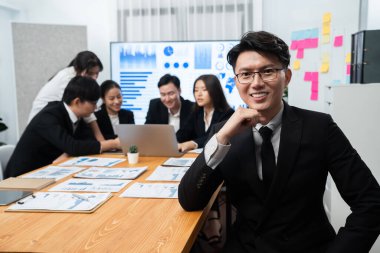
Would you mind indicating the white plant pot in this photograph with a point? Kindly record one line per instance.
(133, 158)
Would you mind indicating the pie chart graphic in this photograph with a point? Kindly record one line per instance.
(168, 51)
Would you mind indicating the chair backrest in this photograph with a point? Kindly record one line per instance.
(5, 153)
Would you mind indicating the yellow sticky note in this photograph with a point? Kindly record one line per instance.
(325, 58)
(324, 68)
(325, 39)
(296, 65)
(326, 29)
(348, 57)
(326, 17)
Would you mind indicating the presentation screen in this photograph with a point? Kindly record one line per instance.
(137, 67)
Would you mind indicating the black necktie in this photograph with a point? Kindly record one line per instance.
(267, 155)
(75, 126)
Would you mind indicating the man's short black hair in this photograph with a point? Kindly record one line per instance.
(84, 88)
(166, 79)
(261, 42)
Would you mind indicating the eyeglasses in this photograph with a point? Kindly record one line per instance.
(266, 75)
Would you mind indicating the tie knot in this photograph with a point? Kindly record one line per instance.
(266, 133)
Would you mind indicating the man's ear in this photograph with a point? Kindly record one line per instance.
(75, 102)
(288, 76)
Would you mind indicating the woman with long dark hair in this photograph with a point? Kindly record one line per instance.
(211, 107)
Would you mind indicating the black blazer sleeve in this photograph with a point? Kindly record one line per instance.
(194, 129)
(199, 182)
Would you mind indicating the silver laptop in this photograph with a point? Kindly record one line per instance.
(151, 140)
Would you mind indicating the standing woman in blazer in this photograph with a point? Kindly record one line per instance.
(211, 107)
(111, 113)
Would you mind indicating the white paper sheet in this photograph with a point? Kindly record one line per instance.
(91, 185)
(92, 161)
(162, 173)
(179, 162)
(55, 172)
(111, 173)
(60, 201)
(144, 190)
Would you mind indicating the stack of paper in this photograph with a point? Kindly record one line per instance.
(28, 184)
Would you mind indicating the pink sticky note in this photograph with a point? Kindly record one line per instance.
(294, 45)
(314, 77)
(348, 69)
(300, 53)
(309, 43)
(313, 43)
(307, 76)
(338, 41)
(301, 44)
(314, 86)
(314, 96)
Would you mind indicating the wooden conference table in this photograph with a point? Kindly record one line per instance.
(119, 225)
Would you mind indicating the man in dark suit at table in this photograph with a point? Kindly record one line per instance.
(277, 182)
(56, 131)
(170, 108)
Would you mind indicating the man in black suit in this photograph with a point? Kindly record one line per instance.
(56, 130)
(281, 210)
(170, 108)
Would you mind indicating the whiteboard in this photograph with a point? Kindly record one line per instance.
(283, 18)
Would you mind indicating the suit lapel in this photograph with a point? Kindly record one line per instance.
(290, 138)
(164, 114)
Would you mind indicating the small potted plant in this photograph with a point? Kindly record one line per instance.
(133, 154)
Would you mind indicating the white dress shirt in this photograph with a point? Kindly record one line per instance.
(74, 119)
(174, 119)
(53, 91)
(215, 152)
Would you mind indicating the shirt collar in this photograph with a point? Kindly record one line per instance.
(275, 122)
(177, 114)
(72, 115)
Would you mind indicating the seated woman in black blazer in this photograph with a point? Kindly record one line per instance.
(111, 113)
(211, 107)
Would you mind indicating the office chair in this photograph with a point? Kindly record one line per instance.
(5, 153)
